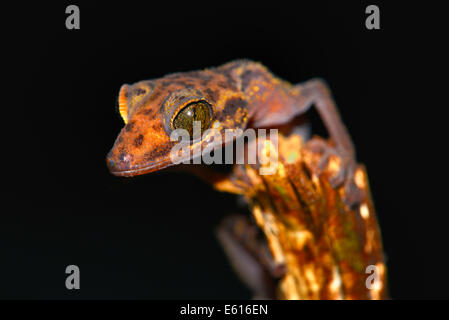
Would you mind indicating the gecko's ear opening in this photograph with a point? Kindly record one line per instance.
(123, 103)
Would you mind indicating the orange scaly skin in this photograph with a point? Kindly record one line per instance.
(243, 94)
(238, 93)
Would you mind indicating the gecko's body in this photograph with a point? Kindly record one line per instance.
(232, 96)
(237, 95)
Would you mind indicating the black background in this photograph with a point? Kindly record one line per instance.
(153, 236)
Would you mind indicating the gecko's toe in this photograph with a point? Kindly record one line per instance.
(338, 179)
(341, 168)
(353, 195)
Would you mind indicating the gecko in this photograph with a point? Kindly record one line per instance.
(236, 95)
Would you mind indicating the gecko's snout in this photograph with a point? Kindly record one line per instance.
(118, 165)
(124, 163)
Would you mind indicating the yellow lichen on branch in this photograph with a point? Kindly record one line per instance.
(329, 251)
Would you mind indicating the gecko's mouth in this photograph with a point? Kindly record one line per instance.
(122, 165)
(136, 171)
(121, 169)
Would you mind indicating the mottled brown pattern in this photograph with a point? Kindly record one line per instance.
(139, 91)
(213, 94)
(154, 96)
(138, 141)
(232, 104)
(153, 104)
(253, 74)
(324, 240)
(129, 126)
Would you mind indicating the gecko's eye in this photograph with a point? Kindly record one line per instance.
(197, 111)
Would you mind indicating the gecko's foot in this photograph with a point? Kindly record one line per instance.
(250, 255)
(353, 194)
(344, 171)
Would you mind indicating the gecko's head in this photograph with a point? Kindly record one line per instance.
(153, 109)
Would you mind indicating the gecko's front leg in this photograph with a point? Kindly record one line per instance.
(319, 94)
(232, 96)
(297, 100)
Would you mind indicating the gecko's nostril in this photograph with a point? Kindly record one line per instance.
(118, 163)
